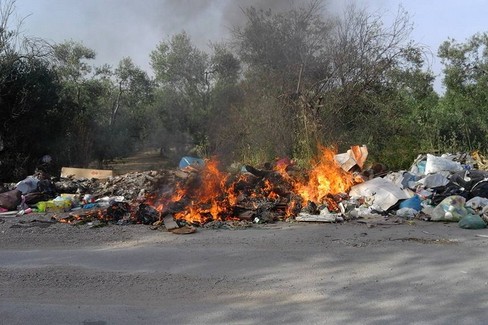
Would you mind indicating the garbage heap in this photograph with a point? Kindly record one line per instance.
(448, 188)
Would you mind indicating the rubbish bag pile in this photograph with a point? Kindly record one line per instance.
(448, 188)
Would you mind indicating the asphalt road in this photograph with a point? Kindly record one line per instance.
(284, 273)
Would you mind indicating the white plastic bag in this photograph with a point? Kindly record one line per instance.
(437, 164)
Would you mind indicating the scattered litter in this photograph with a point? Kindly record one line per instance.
(185, 230)
(407, 213)
(356, 156)
(170, 223)
(323, 217)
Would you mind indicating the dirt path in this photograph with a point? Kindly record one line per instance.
(426, 273)
(149, 159)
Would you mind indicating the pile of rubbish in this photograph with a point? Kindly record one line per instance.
(447, 188)
(72, 199)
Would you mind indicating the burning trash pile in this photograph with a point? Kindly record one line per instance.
(336, 188)
(275, 192)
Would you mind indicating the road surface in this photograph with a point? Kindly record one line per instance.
(424, 273)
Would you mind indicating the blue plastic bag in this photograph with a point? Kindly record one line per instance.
(412, 203)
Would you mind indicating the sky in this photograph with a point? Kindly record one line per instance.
(132, 28)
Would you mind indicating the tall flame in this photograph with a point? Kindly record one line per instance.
(326, 177)
(208, 199)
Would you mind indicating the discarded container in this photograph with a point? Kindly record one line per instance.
(24, 211)
(191, 161)
(472, 222)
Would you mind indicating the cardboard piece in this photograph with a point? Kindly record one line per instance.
(86, 173)
(357, 155)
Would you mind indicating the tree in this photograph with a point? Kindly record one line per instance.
(461, 114)
(315, 79)
(379, 86)
(285, 55)
(183, 75)
(28, 100)
(129, 92)
(134, 88)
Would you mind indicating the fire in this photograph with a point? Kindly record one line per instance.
(208, 197)
(214, 195)
(325, 178)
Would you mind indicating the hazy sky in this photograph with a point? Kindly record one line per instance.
(120, 28)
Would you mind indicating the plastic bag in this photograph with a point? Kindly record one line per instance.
(413, 203)
(407, 213)
(27, 185)
(436, 164)
(450, 209)
(477, 203)
(472, 222)
(10, 200)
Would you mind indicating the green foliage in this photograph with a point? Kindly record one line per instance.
(461, 120)
(183, 70)
(286, 82)
(31, 118)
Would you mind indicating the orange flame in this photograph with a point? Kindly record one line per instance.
(214, 195)
(326, 177)
(208, 197)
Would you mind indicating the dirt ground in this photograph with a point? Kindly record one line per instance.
(149, 159)
(294, 273)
